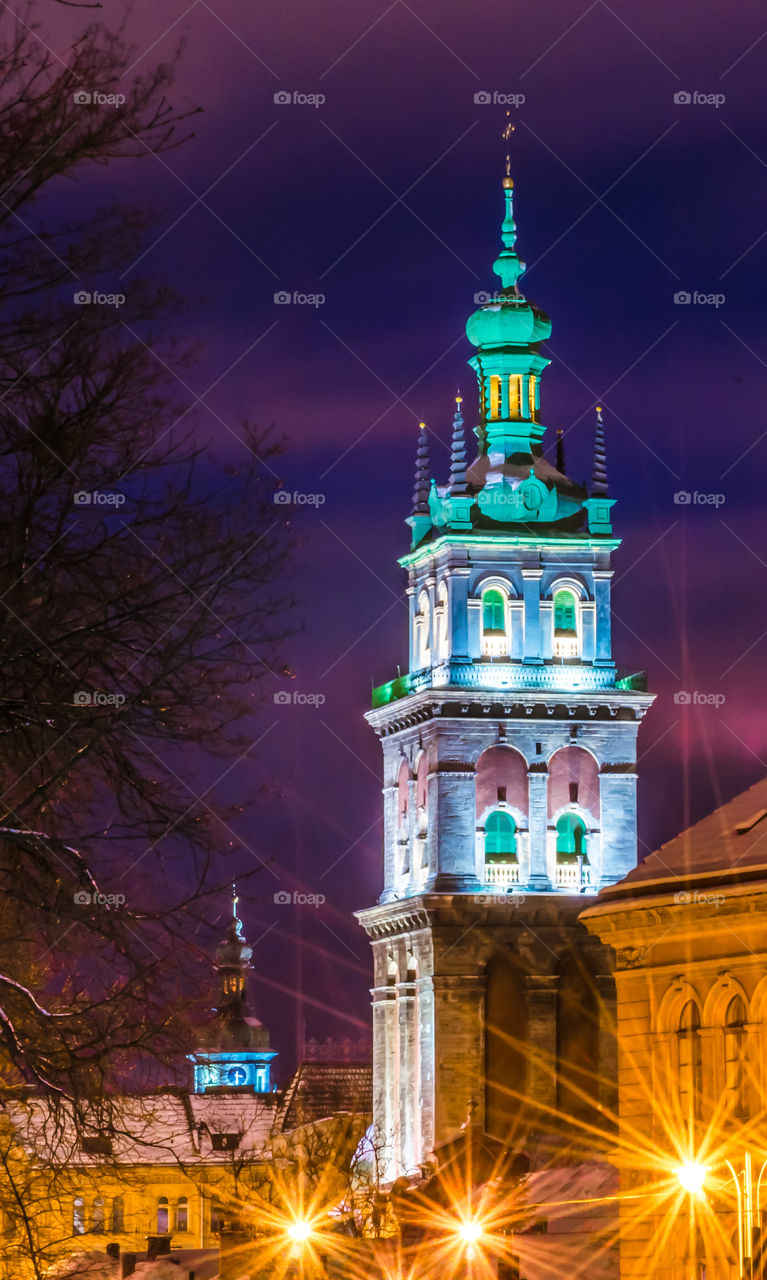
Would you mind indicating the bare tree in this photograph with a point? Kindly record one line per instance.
(141, 589)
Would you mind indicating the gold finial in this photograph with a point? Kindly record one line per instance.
(459, 399)
(421, 426)
(235, 900)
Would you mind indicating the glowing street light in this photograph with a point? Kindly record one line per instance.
(299, 1231)
(692, 1177)
(470, 1231)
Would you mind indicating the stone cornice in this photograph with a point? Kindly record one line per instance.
(548, 704)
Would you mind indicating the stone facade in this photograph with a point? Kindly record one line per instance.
(509, 774)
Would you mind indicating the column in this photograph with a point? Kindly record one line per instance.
(542, 1038)
(459, 1030)
(385, 1073)
(617, 797)
(607, 1092)
(603, 619)
(458, 598)
(390, 843)
(408, 1081)
(531, 580)
(538, 816)
(426, 1066)
(412, 605)
(452, 828)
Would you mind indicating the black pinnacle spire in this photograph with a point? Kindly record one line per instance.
(421, 490)
(599, 469)
(458, 486)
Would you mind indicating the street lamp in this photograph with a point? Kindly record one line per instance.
(692, 1177)
(299, 1231)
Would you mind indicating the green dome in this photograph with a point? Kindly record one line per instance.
(508, 322)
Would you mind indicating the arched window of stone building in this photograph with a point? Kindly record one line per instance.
(402, 798)
(500, 837)
(118, 1213)
(422, 792)
(440, 623)
(78, 1216)
(690, 1061)
(495, 641)
(735, 1056)
(99, 1222)
(566, 641)
(571, 838)
(422, 629)
(163, 1217)
(182, 1214)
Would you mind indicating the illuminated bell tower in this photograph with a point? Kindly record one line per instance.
(236, 1053)
(509, 749)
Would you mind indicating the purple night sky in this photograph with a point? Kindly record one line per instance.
(386, 199)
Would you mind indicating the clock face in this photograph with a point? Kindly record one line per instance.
(237, 1075)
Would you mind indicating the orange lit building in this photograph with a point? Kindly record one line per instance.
(688, 930)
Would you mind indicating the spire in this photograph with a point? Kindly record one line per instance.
(508, 264)
(559, 457)
(599, 470)
(458, 485)
(421, 490)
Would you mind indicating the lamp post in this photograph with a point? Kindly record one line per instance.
(692, 1177)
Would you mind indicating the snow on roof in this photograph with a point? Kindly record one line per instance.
(163, 1128)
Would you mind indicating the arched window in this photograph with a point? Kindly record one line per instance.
(495, 397)
(118, 1214)
(182, 1214)
(515, 396)
(99, 1222)
(422, 629)
(440, 624)
(571, 838)
(78, 1216)
(565, 624)
(494, 639)
(402, 798)
(690, 1061)
(734, 1056)
(217, 1216)
(500, 837)
(531, 388)
(163, 1217)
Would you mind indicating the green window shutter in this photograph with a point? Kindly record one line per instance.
(500, 837)
(564, 612)
(571, 836)
(493, 612)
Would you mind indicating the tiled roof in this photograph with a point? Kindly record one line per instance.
(163, 1128)
(322, 1089)
(730, 842)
